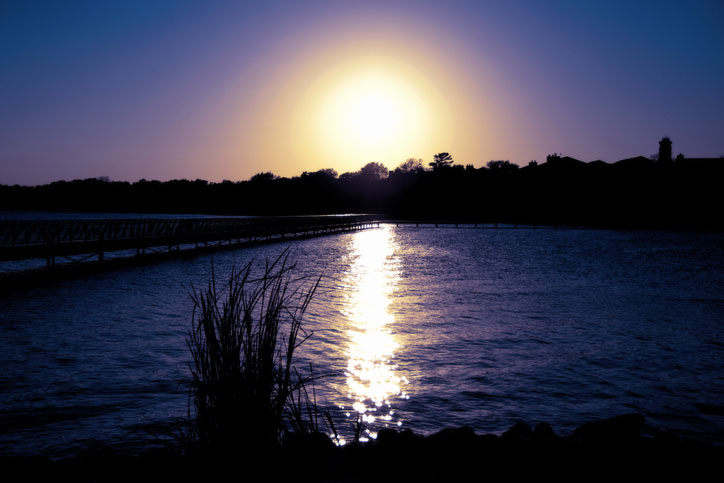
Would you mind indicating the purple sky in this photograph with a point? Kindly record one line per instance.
(223, 90)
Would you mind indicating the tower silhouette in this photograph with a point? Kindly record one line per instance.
(665, 150)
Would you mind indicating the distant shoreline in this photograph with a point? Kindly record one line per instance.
(635, 193)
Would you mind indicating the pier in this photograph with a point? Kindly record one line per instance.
(81, 240)
(457, 224)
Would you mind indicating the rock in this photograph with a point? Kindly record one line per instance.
(619, 429)
(454, 436)
(519, 432)
(388, 436)
(544, 432)
(660, 436)
(308, 442)
(392, 437)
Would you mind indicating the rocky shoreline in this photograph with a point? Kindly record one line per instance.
(623, 448)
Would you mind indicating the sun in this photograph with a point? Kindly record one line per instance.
(371, 113)
(368, 110)
(352, 110)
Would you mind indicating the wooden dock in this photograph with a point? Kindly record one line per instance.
(80, 240)
(455, 224)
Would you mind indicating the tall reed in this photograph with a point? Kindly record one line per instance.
(242, 342)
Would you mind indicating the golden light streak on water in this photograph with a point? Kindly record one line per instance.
(372, 381)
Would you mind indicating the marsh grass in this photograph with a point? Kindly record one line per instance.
(245, 392)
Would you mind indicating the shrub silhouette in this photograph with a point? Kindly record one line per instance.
(242, 342)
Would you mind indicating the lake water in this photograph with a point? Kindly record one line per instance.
(420, 328)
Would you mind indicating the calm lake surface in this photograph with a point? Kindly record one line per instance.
(420, 328)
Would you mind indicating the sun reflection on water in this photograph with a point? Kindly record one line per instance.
(372, 382)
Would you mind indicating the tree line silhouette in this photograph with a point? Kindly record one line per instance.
(635, 193)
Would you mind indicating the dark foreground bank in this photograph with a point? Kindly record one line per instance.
(623, 448)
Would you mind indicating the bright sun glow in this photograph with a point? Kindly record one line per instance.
(372, 109)
(343, 105)
(370, 112)
(366, 109)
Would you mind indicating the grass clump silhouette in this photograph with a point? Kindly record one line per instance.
(245, 391)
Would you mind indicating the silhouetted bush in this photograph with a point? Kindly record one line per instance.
(245, 391)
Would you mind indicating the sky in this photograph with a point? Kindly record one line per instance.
(224, 90)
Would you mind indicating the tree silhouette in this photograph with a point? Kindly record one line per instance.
(374, 171)
(441, 160)
(411, 165)
(559, 191)
(501, 166)
(266, 176)
(327, 173)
